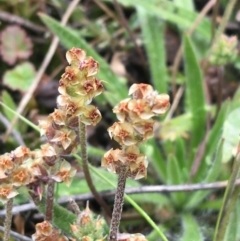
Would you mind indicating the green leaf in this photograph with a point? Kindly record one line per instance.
(211, 175)
(231, 131)
(116, 89)
(232, 228)
(153, 38)
(181, 152)
(187, 4)
(174, 177)
(177, 127)
(169, 11)
(191, 229)
(7, 99)
(214, 138)
(20, 78)
(195, 93)
(153, 153)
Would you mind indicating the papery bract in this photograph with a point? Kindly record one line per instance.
(139, 110)
(123, 133)
(89, 65)
(110, 159)
(140, 91)
(122, 110)
(90, 115)
(20, 176)
(161, 104)
(65, 137)
(7, 191)
(6, 164)
(21, 154)
(65, 173)
(75, 56)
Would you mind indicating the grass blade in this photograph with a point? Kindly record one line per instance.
(171, 12)
(174, 176)
(153, 38)
(197, 197)
(191, 229)
(195, 93)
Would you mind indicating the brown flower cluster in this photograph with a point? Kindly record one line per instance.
(135, 126)
(46, 232)
(14, 172)
(87, 227)
(77, 87)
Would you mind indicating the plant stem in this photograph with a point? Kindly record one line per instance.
(8, 220)
(129, 199)
(50, 200)
(227, 197)
(225, 220)
(118, 204)
(84, 155)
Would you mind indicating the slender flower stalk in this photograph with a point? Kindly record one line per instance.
(50, 200)
(84, 155)
(118, 204)
(8, 220)
(134, 127)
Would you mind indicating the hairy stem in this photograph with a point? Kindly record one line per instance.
(50, 200)
(83, 143)
(118, 204)
(8, 220)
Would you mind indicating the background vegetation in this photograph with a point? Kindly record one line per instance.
(177, 46)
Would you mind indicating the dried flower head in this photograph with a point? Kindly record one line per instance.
(123, 133)
(91, 115)
(46, 232)
(65, 137)
(75, 56)
(110, 160)
(140, 91)
(7, 191)
(21, 154)
(6, 165)
(48, 154)
(122, 110)
(65, 173)
(20, 176)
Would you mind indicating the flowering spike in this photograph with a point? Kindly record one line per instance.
(135, 126)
